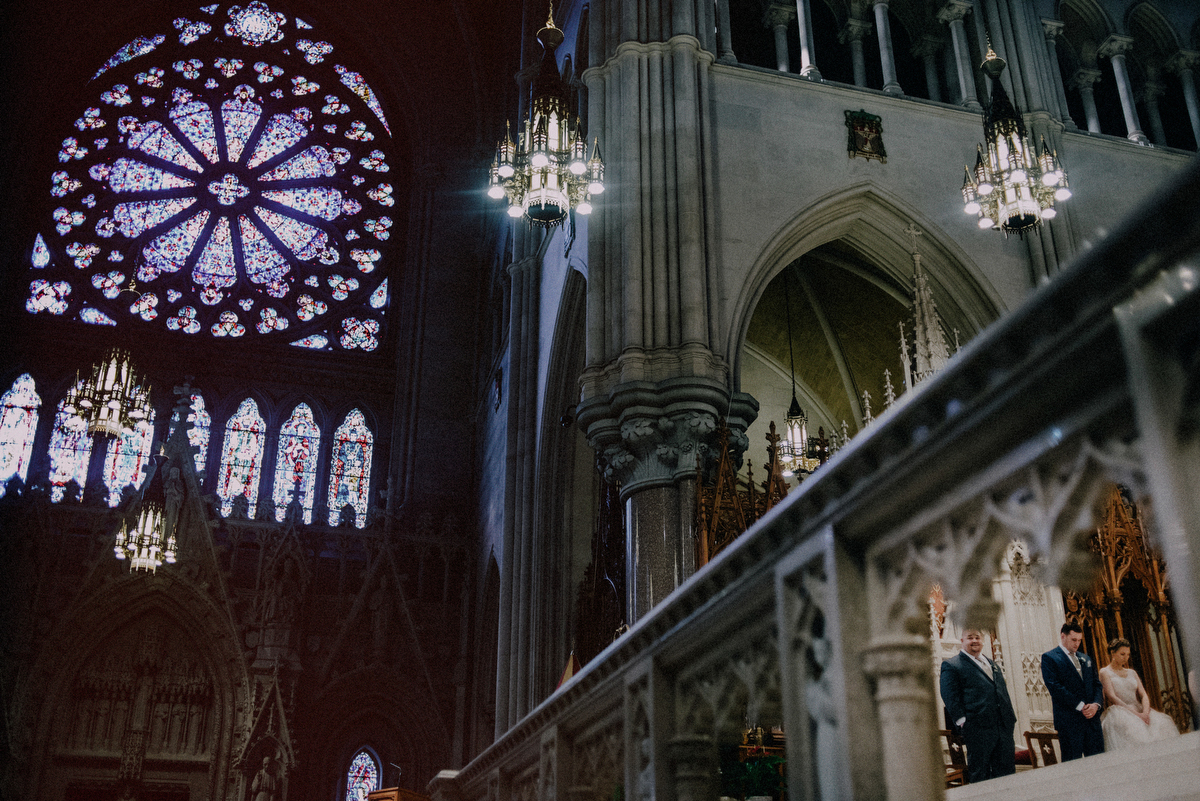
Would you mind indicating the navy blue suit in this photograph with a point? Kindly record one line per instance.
(987, 733)
(1077, 736)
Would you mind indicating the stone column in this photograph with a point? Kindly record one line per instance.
(1184, 63)
(724, 34)
(695, 767)
(1151, 92)
(927, 50)
(852, 33)
(1084, 80)
(912, 761)
(1115, 47)
(883, 30)
(1053, 29)
(808, 53)
(649, 439)
(778, 17)
(952, 14)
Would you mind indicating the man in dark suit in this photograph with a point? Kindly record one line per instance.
(1074, 687)
(977, 703)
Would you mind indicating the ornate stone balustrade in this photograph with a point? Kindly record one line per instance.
(816, 620)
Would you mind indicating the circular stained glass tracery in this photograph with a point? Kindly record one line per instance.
(234, 195)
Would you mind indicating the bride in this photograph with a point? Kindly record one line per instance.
(1128, 719)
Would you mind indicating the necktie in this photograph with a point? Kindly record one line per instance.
(1078, 667)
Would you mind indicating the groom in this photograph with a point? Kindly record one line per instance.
(1074, 687)
(977, 701)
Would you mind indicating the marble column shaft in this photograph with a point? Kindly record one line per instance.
(1151, 92)
(1184, 63)
(883, 31)
(927, 51)
(952, 15)
(1085, 80)
(1115, 47)
(778, 18)
(1053, 28)
(852, 33)
(808, 56)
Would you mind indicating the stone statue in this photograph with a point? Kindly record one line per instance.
(263, 786)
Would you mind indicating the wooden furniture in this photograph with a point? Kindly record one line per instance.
(395, 794)
(956, 758)
(1042, 754)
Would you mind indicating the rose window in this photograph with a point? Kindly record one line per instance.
(236, 187)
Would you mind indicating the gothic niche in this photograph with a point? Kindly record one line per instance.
(140, 718)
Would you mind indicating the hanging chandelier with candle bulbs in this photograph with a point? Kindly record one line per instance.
(146, 542)
(114, 400)
(1013, 187)
(794, 449)
(547, 171)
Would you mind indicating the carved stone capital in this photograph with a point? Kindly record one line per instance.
(1115, 45)
(878, 3)
(854, 30)
(1183, 60)
(653, 434)
(776, 15)
(1151, 91)
(953, 11)
(1053, 28)
(899, 664)
(1085, 78)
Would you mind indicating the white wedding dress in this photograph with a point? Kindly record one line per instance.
(1124, 729)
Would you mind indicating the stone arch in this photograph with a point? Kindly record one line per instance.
(872, 221)
(1152, 33)
(103, 615)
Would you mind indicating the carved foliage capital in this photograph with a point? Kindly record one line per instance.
(953, 11)
(1115, 45)
(776, 15)
(1052, 28)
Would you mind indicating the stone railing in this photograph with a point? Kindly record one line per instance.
(815, 621)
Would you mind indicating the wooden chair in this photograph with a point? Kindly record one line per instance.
(956, 754)
(1044, 749)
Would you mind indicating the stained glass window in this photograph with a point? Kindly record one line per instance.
(18, 425)
(127, 457)
(296, 462)
(70, 451)
(199, 430)
(363, 776)
(228, 158)
(241, 457)
(350, 468)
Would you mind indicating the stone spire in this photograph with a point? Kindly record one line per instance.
(930, 353)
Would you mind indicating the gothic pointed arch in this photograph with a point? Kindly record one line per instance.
(872, 223)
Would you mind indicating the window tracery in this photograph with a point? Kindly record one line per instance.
(241, 458)
(350, 468)
(363, 776)
(18, 425)
(70, 451)
(220, 170)
(127, 458)
(296, 462)
(199, 430)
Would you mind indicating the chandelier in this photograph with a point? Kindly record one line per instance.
(793, 451)
(547, 171)
(1013, 187)
(114, 400)
(143, 543)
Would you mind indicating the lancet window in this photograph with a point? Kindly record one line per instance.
(126, 460)
(363, 776)
(70, 451)
(18, 425)
(296, 462)
(241, 458)
(350, 470)
(199, 430)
